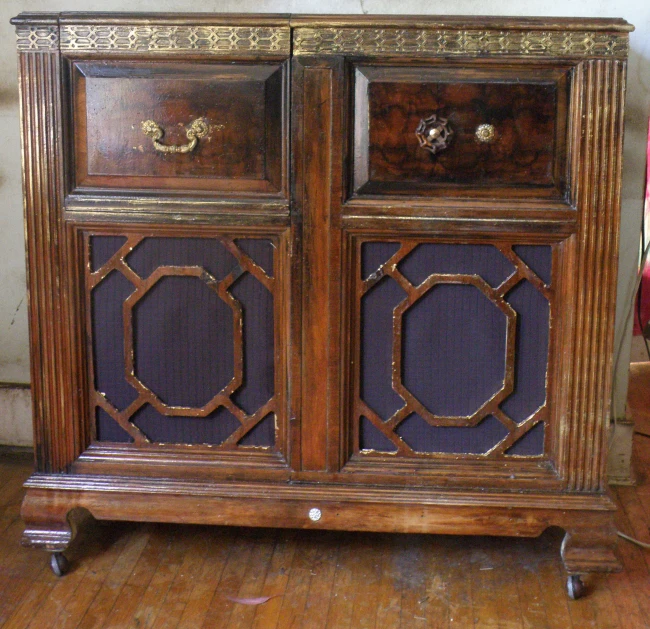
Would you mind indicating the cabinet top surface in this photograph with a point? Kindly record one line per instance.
(362, 21)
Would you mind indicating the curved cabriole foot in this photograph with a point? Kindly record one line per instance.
(52, 521)
(59, 564)
(46, 524)
(575, 587)
(590, 548)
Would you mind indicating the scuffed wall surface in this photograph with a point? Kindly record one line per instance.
(15, 416)
(14, 359)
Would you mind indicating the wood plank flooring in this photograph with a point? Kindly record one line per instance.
(183, 577)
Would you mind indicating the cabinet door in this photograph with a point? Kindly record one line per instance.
(452, 345)
(438, 342)
(185, 237)
(186, 344)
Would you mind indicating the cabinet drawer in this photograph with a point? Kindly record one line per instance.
(460, 131)
(135, 126)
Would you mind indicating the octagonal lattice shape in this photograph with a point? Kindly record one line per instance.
(455, 319)
(214, 325)
(219, 264)
(436, 265)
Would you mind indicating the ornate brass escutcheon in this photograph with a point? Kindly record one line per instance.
(434, 134)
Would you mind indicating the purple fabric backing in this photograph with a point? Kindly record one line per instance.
(475, 440)
(183, 340)
(102, 249)
(429, 258)
(108, 344)
(453, 347)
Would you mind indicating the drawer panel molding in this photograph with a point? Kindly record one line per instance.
(526, 105)
(119, 107)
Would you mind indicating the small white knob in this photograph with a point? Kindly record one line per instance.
(315, 514)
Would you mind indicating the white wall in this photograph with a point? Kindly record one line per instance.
(14, 359)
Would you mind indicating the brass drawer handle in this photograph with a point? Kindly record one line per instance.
(198, 129)
(434, 134)
(485, 133)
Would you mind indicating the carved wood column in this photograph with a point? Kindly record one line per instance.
(53, 282)
(597, 134)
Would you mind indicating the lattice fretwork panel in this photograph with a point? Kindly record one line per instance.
(183, 339)
(453, 348)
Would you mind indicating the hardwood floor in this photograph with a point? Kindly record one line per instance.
(167, 576)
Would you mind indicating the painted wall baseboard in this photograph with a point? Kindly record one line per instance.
(16, 415)
(619, 461)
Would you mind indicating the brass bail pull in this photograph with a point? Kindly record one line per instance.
(198, 129)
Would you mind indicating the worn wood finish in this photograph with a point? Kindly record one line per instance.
(126, 574)
(244, 151)
(53, 282)
(526, 106)
(596, 191)
(318, 154)
(318, 94)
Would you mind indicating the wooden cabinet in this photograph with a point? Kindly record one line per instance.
(323, 272)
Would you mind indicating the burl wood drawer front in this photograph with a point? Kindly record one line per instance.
(460, 131)
(206, 127)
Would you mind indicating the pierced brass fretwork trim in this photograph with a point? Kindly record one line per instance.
(170, 39)
(445, 42)
(37, 38)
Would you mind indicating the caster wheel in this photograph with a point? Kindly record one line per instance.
(59, 564)
(575, 587)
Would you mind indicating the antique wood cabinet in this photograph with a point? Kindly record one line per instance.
(323, 272)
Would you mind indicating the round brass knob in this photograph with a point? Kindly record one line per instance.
(434, 134)
(485, 133)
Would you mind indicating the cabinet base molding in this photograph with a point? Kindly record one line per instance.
(587, 519)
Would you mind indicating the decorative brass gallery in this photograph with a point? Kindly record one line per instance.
(174, 39)
(450, 42)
